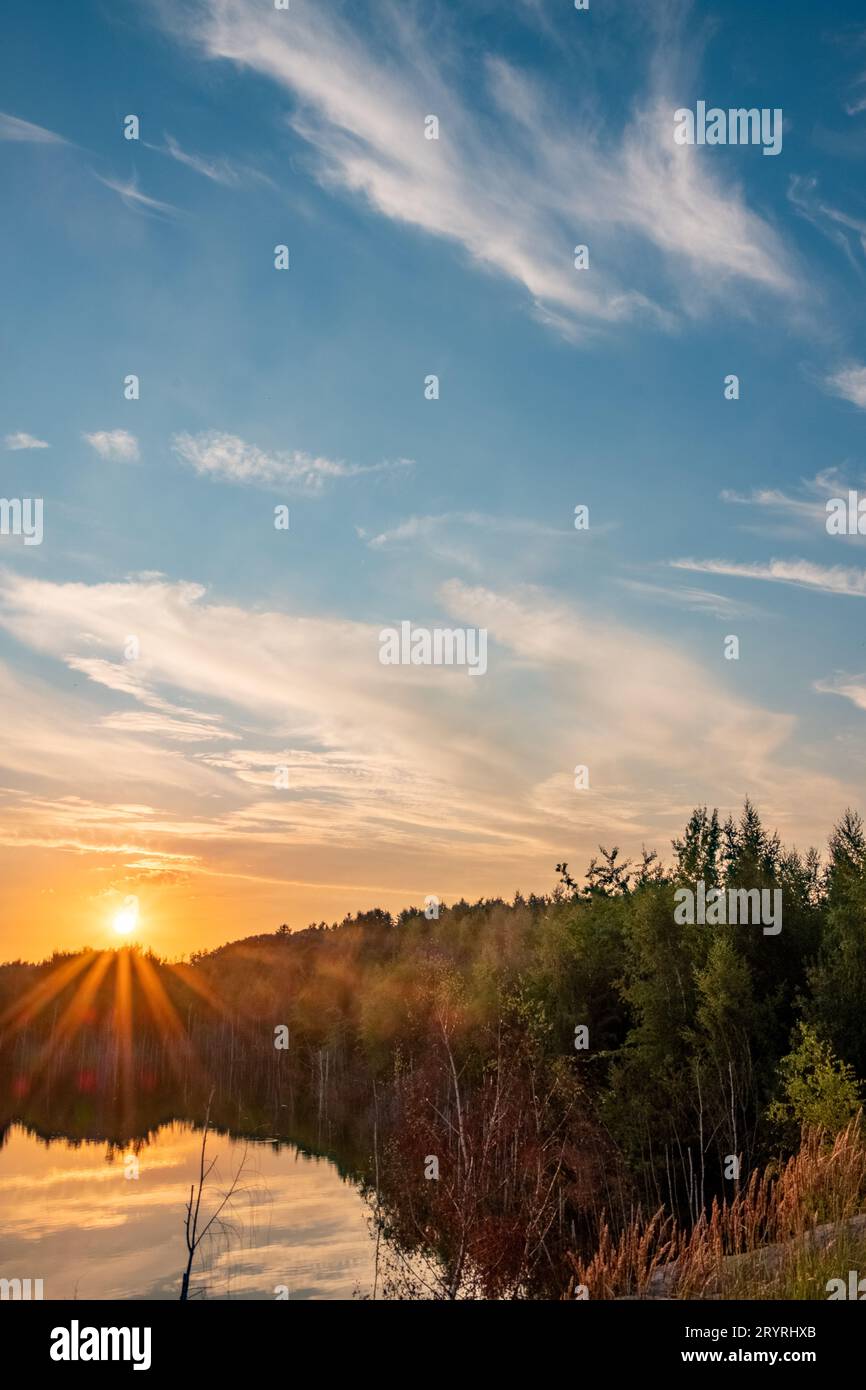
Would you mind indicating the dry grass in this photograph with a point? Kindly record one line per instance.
(771, 1239)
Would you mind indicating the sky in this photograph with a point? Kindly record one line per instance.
(167, 649)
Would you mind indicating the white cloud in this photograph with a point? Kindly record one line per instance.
(24, 441)
(515, 184)
(134, 678)
(416, 528)
(697, 600)
(123, 676)
(228, 458)
(808, 511)
(177, 730)
(469, 772)
(133, 198)
(114, 444)
(830, 579)
(636, 709)
(221, 171)
(773, 499)
(12, 128)
(217, 170)
(51, 737)
(847, 233)
(852, 688)
(849, 383)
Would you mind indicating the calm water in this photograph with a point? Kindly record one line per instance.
(71, 1216)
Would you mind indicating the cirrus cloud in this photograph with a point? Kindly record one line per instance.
(227, 458)
(829, 579)
(510, 178)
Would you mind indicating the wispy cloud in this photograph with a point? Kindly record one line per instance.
(133, 198)
(217, 170)
(830, 579)
(134, 678)
(849, 382)
(160, 716)
(500, 785)
(857, 102)
(808, 510)
(114, 444)
(416, 528)
(164, 726)
(227, 458)
(846, 232)
(122, 676)
(24, 441)
(14, 129)
(508, 180)
(852, 688)
(221, 170)
(685, 596)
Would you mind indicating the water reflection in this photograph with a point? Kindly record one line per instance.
(75, 1216)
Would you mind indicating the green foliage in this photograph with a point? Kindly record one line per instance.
(818, 1090)
(838, 980)
(697, 853)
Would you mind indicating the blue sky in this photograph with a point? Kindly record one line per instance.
(306, 387)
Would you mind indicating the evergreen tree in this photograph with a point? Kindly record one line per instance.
(839, 978)
(608, 877)
(697, 853)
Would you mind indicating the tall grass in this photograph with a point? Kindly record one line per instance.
(790, 1224)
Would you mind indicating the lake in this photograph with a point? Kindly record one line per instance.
(76, 1216)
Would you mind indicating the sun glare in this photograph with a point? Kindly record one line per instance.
(126, 920)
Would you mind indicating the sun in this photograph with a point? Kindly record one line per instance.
(126, 920)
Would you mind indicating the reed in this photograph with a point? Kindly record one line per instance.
(788, 1224)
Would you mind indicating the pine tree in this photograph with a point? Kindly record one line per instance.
(839, 977)
(698, 851)
(609, 877)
